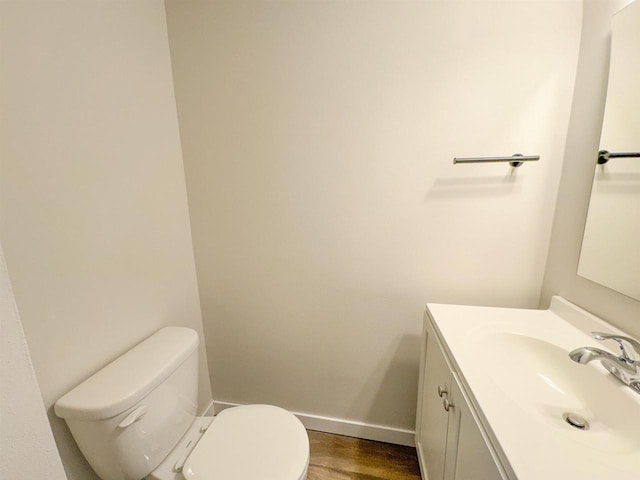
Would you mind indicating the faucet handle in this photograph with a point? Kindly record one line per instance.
(627, 345)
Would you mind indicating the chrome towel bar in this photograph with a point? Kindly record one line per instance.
(604, 156)
(515, 160)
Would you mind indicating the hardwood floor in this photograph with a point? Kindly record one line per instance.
(335, 457)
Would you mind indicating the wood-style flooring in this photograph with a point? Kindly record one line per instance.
(335, 457)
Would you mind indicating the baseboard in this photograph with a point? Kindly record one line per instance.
(341, 426)
(209, 411)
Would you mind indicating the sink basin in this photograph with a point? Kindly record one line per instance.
(545, 383)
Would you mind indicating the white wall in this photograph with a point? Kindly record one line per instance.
(94, 219)
(27, 449)
(583, 139)
(318, 140)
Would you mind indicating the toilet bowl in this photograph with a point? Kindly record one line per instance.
(246, 442)
(136, 418)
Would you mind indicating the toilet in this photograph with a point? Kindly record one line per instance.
(136, 419)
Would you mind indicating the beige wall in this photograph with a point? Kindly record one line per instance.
(27, 449)
(583, 139)
(318, 140)
(94, 219)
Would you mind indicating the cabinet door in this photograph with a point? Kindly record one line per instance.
(432, 438)
(468, 456)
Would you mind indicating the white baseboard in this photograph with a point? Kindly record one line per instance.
(340, 426)
(209, 411)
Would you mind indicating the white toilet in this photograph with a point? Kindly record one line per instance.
(136, 418)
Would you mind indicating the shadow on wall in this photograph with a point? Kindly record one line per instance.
(391, 398)
(476, 187)
(75, 465)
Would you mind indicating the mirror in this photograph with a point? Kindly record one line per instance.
(610, 252)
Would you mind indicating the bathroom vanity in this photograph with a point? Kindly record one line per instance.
(500, 399)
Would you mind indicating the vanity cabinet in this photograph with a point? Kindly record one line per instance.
(449, 439)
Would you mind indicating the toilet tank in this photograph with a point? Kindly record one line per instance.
(127, 417)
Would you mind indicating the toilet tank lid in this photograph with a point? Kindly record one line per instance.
(130, 377)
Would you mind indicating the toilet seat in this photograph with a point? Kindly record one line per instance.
(251, 442)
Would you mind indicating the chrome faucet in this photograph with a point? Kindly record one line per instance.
(624, 368)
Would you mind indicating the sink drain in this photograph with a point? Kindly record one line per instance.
(576, 421)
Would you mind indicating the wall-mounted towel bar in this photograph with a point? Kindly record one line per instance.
(604, 156)
(515, 160)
